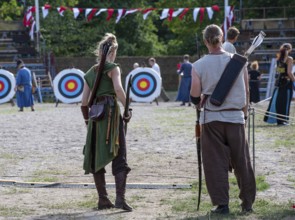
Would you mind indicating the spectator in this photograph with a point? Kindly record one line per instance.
(156, 67)
(135, 65)
(23, 88)
(279, 105)
(185, 82)
(254, 82)
(232, 36)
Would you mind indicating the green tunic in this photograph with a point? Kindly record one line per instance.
(105, 151)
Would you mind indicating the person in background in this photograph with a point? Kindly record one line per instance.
(135, 65)
(223, 137)
(254, 82)
(185, 82)
(23, 88)
(232, 36)
(279, 106)
(156, 67)
(143, 64)
(105, 141)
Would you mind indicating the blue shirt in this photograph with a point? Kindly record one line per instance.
(186, 69)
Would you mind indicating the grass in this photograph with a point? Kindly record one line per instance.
(89, 203)
(8, 156)
(48, 175)
(285, 142)
(15, 190)
(264, 209)
(14, 211)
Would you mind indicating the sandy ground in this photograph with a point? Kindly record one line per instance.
(46, 146)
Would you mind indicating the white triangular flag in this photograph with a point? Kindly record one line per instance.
(76, 12)
(164, 13)
(100, 11)
(146, 12)
(120, 14)
(87, 11)
(130, 11)
(195, 13)
(210, 12)
(176, 13)
(44, 11)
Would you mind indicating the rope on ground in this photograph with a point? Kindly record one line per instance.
(274, 115)
(271, 114)
(92, 186)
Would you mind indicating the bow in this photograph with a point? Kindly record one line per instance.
(126, 110)
(198, 142)
(105, 50)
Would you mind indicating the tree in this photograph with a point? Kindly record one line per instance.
(185, 36)
(66, 36)
(10, 10)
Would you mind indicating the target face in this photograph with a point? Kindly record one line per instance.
(7, 84)
(68, 85)
(146, 84)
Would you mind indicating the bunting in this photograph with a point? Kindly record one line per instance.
(167, 13)
(45, 10)
(76, 12)
(121, 12)
(229, 18)
(90, 13)
(146, 12)
(28, 17)
(61, 10)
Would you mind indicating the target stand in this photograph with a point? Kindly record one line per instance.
(7, 85)
(146, 84)
(68, 86)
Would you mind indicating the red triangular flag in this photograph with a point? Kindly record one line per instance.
(183, 13)
(110, 13)
(202, 11)
(91, 14)
(170, 14)
(215, 8)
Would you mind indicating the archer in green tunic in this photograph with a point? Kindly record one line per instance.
(105, 141)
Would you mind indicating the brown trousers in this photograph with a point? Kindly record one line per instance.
(223, 144)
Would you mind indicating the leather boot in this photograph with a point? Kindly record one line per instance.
(121, 203)
(103, 200)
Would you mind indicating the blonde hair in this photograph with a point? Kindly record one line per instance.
(213, 34)
(108, 38)
(254, 65)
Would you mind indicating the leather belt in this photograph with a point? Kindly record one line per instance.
(227, 109)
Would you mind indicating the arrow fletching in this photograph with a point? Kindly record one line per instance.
(256, 42)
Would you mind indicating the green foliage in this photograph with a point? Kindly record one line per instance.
(67, 36)
(10, 10)
(185, 36)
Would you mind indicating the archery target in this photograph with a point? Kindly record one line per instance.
(293, 71)
(7, 85)
(146, 84)
(68, 85)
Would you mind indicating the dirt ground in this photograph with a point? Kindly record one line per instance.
(46, 146)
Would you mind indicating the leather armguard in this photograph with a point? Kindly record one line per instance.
(195, 100)
(85, 113)
(127, 119)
